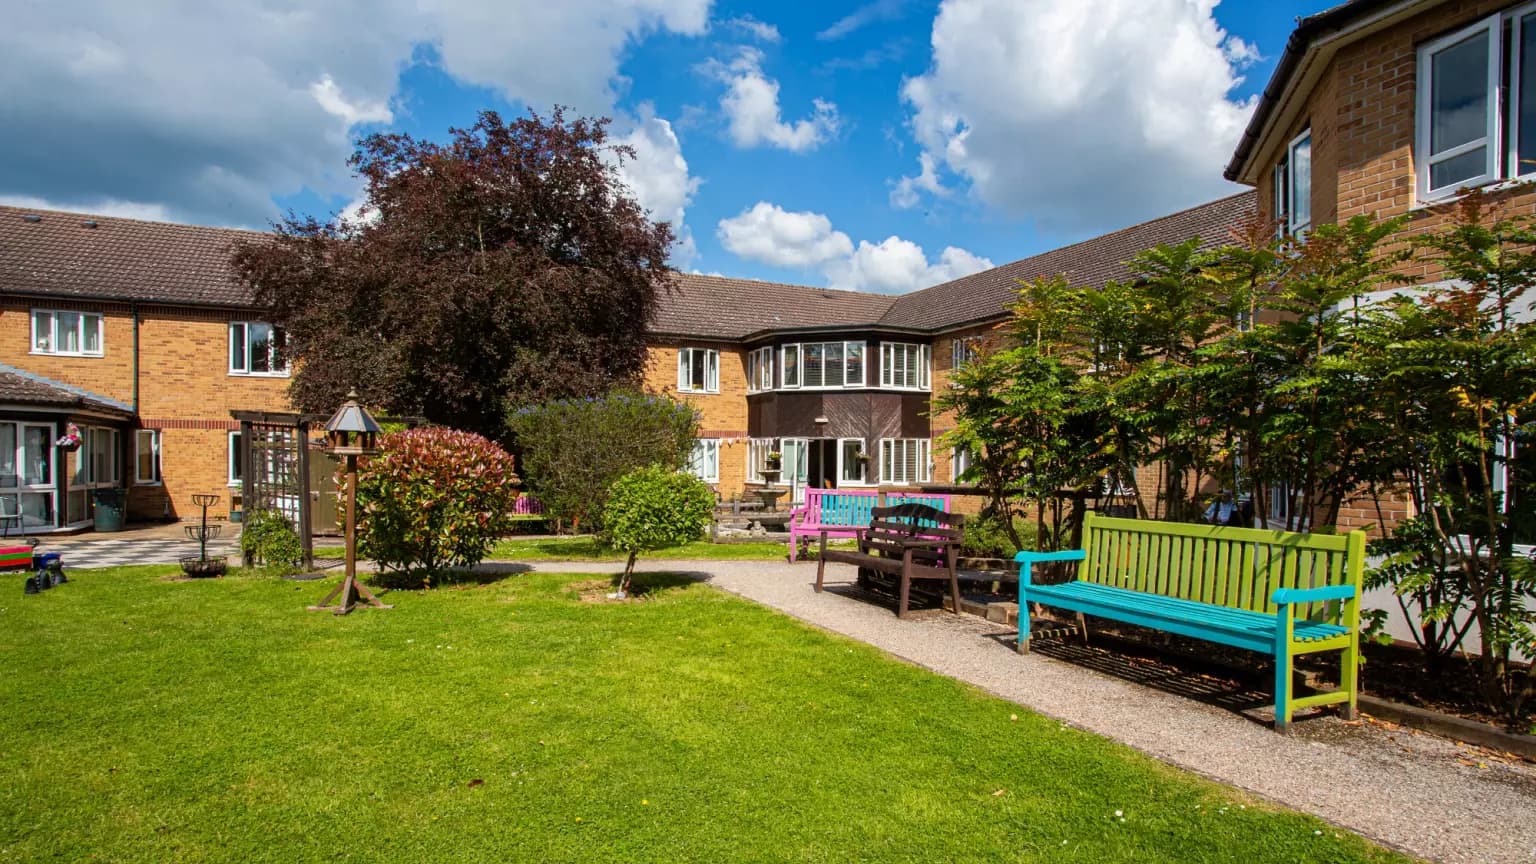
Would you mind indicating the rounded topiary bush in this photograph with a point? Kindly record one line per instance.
(433, 499)
(654, 508)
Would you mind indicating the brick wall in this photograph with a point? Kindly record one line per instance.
(185, 390)
(722, 415)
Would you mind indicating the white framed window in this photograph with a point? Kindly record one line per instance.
(96, 460)
(960, 460)
(963, 350)
(235, 476)
(146, 457)
(905, 366)
(704, 463)
(757, 457)
(69, 334)
(904, 461)
(823, 365)
(27, 472)
(256, 348)
(759, 370)
(1293, 188)
(1460, 113)
(698, 370)
(852, 462)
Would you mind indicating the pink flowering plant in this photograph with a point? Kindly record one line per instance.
(433, 500)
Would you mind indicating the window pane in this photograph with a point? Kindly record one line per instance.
(259, 350)
(67, 330)
(37, 455)
(42, 332)
(234, 457)
(814, 366)
(834, 364)
(712, 371)
(92, 327)
(792, 366)
(855, 364)
(1525, 122)
(148, 468)
(1458, 99)
(237, 348)
(1458, 169)
(101, 456)
(8, 454)
(853, 466)
(1301, 182)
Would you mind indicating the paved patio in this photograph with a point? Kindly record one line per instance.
(1419, 793)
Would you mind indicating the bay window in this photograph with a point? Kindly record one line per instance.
(904, 366)
(1467, 133)
(70, 334)
(256, 348)
(904, 461)
(824, 365)
(698, 370)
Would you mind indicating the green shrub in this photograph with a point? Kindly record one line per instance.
(574, 449)
(654, 508)
(433, 499)
(986, 537)
(269, 539)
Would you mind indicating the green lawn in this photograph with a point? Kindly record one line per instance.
(150, 720)
(585, 548)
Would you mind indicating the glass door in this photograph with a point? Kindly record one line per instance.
(795, 451)
(26, 472)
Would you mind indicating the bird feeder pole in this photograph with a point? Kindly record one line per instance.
(350, 433)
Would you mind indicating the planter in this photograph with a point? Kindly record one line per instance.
(202, 568)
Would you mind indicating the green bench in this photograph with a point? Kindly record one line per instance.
(1275, 592)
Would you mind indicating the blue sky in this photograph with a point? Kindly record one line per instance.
(882, 146)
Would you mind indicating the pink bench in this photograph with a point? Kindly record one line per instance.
(844, 512)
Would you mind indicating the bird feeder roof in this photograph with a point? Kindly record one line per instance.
(352, 417)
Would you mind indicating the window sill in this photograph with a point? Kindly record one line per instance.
(1420, 205)
(234, 374)
(79, 355)
(699, 392)
(155, 483)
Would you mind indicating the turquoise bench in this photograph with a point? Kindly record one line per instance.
(844, 512)
(1274, 592)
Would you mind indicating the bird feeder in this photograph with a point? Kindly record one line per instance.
(351, 432)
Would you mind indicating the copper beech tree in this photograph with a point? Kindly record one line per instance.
(507, 266)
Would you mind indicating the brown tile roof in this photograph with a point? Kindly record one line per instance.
(59, 255)
(19, 387)
(720, 307)
(1088, 264)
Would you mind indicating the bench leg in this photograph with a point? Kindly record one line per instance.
(954, 580)
(794, 543)
(1082, 627)
(1349, 675)
(1282, 690)
(821, 563)
(906, 584)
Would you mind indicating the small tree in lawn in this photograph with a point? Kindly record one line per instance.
(574, 449)
(433, 499)
(654, 508)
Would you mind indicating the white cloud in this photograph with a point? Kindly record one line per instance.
(804, 240)
(879, 10)
(95, 206)
(905, 192)
(762, 31)
(772, 235)
(209, 110)
(659, 178)
(328, 93)
(751, 105)
(1081, 114)
(896, 266)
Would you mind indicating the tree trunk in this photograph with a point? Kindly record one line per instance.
(629, 572)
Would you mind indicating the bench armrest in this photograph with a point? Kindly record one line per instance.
(1293, 596)
(1041, 557)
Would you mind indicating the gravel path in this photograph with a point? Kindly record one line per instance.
(1416, 792)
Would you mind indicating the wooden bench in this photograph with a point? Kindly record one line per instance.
(843, 512)
(907, 541)
(1274, 592)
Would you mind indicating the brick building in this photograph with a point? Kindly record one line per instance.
(137, 335)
